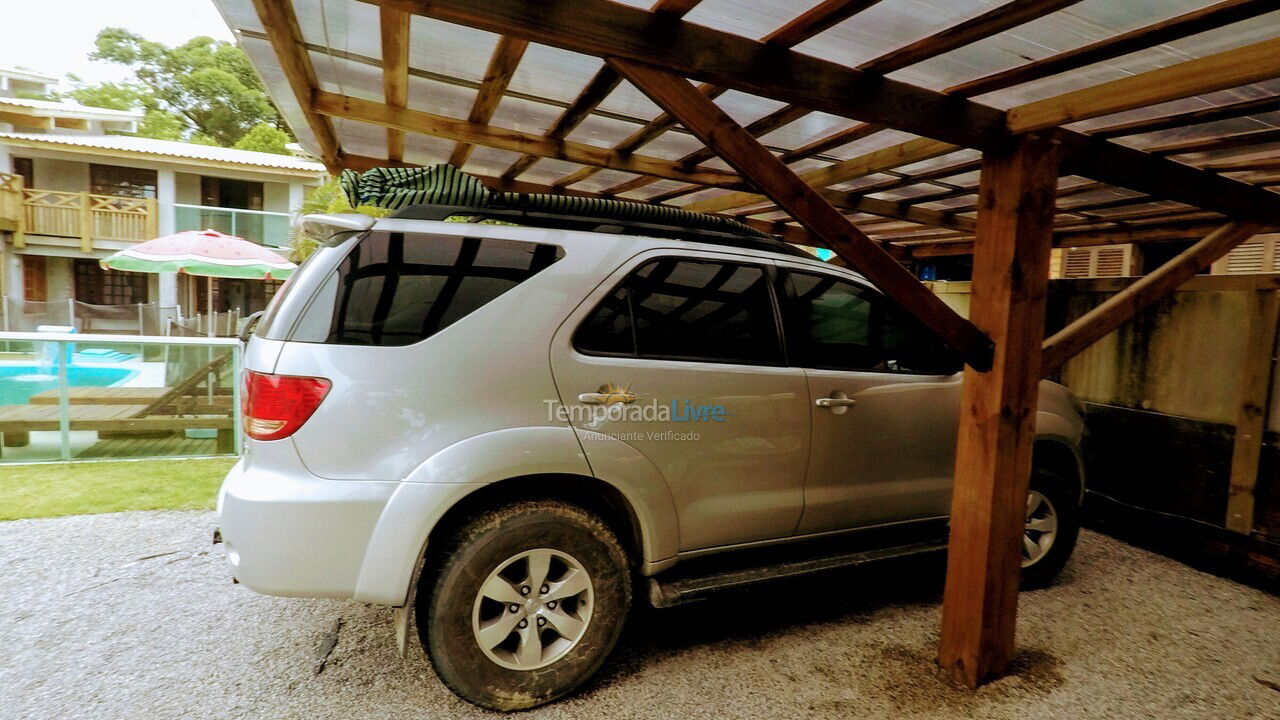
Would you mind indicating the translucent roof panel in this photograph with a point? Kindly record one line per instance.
(448, 65)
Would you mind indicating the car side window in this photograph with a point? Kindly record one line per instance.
(678, 309)
(833, 324)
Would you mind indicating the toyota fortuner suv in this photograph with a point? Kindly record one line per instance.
(512, 432)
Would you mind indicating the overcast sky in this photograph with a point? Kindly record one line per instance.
(56, 36)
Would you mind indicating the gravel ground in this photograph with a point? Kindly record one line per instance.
(132, 615)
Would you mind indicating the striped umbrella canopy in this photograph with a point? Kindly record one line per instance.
(202, 252)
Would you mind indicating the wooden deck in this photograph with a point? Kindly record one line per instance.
(134, 447)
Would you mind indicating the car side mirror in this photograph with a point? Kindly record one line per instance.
(250, 323)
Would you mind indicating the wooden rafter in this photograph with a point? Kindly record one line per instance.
(606, 29)
(502, 65)
(1190, 23)
(1221, 71)
(909, 152)
(394, 26)
(286, 40)
(743, 152)
(604, 82)
(995, 20)
(801, 28)
(334, 105)
(826, 14)
(1194, 117)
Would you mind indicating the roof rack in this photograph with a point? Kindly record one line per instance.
(597, 223)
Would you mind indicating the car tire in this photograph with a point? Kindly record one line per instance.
(1062, 497)
(465, 595)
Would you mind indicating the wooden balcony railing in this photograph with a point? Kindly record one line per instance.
(11, 212)
(87, 216)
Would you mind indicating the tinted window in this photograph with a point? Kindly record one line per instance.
(687, 310)
(399, 288)
(838, 325)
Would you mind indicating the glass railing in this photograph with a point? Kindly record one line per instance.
(259, 226)
(79, 396)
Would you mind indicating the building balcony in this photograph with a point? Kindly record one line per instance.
(259, 226)
(92, 222)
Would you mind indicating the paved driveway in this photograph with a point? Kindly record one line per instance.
(132, 615)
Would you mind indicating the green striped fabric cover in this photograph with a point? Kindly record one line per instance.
(397, 188)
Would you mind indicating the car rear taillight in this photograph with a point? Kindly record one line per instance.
(275, 406)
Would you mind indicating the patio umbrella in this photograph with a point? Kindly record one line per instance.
(202, 252)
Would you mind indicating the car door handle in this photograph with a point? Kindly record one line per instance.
(835, 402)
(594, 398)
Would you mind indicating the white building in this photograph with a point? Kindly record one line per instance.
(73, 190)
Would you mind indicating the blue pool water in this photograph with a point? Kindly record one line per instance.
(20, 382)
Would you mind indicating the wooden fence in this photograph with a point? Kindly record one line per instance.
(11, 213)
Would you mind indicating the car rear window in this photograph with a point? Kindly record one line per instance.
(397, 288)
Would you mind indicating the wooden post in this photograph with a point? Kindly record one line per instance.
(86, 224)
(1255, 385)
(153, 219)
(997, 418)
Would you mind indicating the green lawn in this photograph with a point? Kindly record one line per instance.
(36, 491)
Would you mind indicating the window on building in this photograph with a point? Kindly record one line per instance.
(227, 193)
(34, 283)
(122, 181)
(26, 168)
(97, 286)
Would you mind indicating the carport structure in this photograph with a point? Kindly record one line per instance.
(886, 130)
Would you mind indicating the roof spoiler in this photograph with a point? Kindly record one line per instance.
(326, 226)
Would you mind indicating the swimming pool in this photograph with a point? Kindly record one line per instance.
(19, 382)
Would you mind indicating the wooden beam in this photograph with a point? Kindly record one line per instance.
(765, 125)
(1221, 71)
(608, 29)
(394, 27)
(1196, 21)
(604, 82)
(22, 120)
(502, 65)
(821, 17)
(832, 141)
(1119, 308)
(1193, 117)
(286, 40)
(997, 412)
(991, 22)
(335, 105)
(803, 27)
(909, 152)
(826, 14)
(1251, 420)
(745, 154)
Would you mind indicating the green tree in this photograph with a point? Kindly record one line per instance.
(264, 138)
(327, 197)
(115, 96)
(161, 125)
(208, 83)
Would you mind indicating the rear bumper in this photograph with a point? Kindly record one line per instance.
(297, 535)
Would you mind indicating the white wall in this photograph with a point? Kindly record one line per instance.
(275, 197)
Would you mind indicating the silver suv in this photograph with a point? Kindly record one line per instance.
(511, 431)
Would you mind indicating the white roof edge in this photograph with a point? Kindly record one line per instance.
(170, 149)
